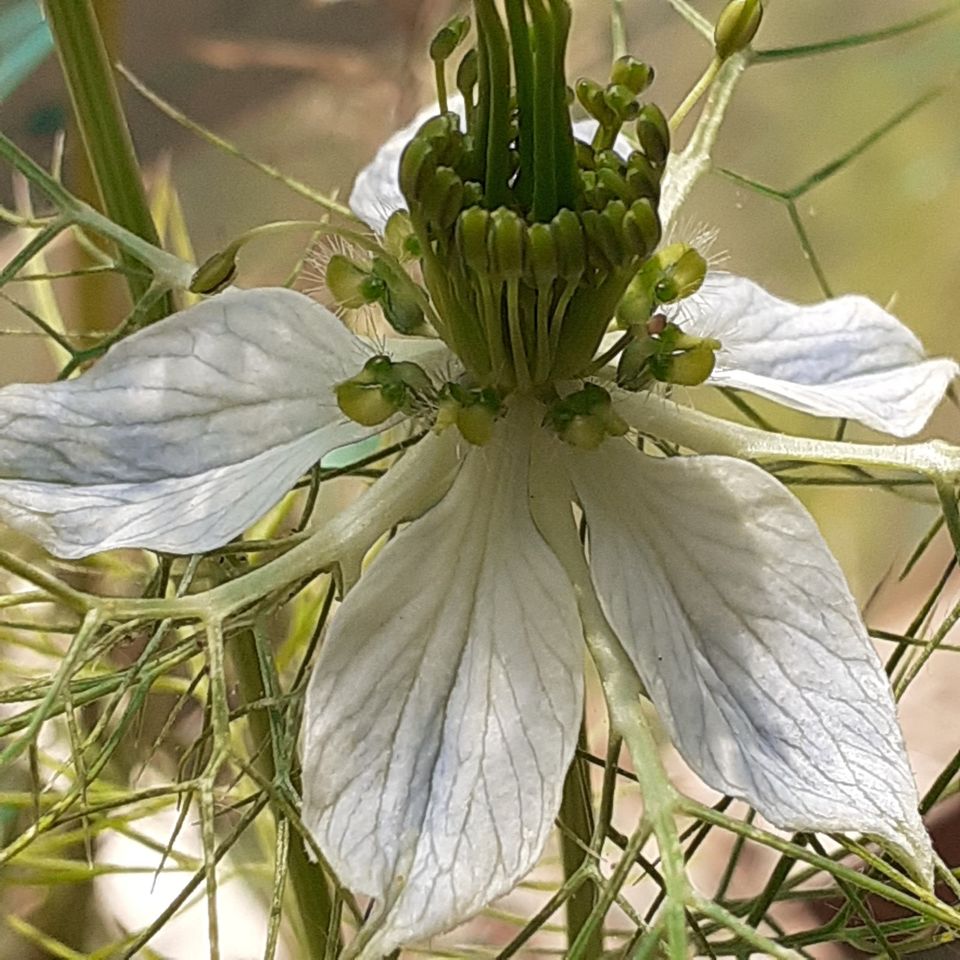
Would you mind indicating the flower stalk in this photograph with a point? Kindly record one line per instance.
(103, 129)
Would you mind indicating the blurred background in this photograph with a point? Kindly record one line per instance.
(313, 86)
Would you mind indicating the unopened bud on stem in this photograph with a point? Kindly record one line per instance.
(736, 26)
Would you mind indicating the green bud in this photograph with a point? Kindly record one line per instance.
(448, 38)
(653, 133)
(736, 26)
(215, 273)
(352, 286)
(505, 243)
(632, 73)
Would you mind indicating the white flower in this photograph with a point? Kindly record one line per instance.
(445, 704)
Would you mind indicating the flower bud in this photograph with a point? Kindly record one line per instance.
(366, 404)
(632, 73)
(215, 273)
(736, 26)
(351, 285)
(590, 95)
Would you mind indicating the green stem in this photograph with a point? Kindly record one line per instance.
(166, 268)
(576, 815)
(310, 885)
(103, 127)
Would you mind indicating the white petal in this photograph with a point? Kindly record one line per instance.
(376, 191)
(846, 357)
(744, 631)
(444, 708)
(183, 434)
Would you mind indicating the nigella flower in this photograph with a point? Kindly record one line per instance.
(445, 704)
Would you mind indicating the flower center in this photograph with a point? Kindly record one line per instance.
(530, 239)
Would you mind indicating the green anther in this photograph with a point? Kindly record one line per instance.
(403, 313)
(688, 368)
(381, 389)
(633, 371)
(615, 184)
(352, 286)
(632, 73)
(603, 244)
(366, 404)
(399, 237)
(442, 198)
(506, 243)
(644, 178)
(448, 38)
(471, 239)
(473, 411)
(653, 134)
(641, 228)
(467, 77)
(622, 101)
(472, 194)
(586, 418)
(608, 160)
(418, 164)
(636, 306)
(678, 271)
(570, 245)
(215, 273)
(590, 95)
(614, 213)
(736, 26)
(586, 158)
(542, 254)
(412, 375)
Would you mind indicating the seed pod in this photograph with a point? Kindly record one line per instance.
(215, 273)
